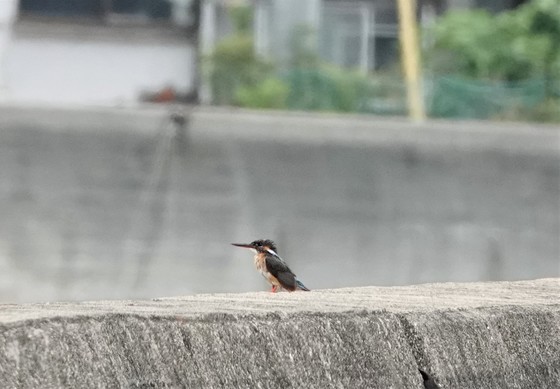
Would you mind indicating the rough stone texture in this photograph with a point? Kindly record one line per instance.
(110, 204)
(469, 336)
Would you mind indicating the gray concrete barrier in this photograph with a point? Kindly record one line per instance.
(113, 203)
(476, 335)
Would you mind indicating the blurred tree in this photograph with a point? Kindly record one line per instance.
(237, 75)
(545, 21)
(511, 46)
(233, 63)
(270, 93)
(303, 50)
(501, 66)
(242, 18)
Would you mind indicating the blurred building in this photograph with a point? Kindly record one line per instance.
(360, 34)
(117, 51)
(96, 51)
(350, 33)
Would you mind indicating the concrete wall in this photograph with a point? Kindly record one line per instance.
(112, 204)
(468, 336)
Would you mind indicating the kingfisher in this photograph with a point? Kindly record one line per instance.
(272, 267)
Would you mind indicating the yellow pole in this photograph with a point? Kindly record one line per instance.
(410, 56)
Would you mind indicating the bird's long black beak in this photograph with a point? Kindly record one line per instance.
(246, 245)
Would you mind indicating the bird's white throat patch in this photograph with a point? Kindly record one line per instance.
(272, 252)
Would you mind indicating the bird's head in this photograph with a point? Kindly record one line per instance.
(259, 246)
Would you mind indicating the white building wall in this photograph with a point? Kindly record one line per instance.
(7, 18)
(68, 63)
(65, 71)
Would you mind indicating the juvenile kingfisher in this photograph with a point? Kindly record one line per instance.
(272, 267)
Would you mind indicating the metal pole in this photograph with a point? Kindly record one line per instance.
(408, 36)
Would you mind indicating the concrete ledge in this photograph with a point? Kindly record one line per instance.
(478, 335)
(291, 126)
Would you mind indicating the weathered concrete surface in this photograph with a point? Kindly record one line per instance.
(469, 336)
(109, 204)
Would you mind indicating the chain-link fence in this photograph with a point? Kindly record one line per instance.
(456, 97)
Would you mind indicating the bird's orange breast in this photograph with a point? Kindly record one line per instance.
(260, 264)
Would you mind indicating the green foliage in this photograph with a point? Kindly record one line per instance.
(545, 17)
(269, 93)
(242, 18)
(350, 87)
(328, 88)
(310, 89)
(315, 85)
(547, 111)
(302, 48)
(238, 76)
(514, 45)
(497, 66)
(233, 64)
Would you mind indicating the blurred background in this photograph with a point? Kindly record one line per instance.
(127, 164)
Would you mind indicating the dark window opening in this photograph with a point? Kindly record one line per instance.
(151, 8)
(386, 52)
(62, 7)
(98, 9)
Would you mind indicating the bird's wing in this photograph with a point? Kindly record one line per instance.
(279, 269)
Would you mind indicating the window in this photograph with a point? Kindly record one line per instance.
(153, 9)
(139, 10)
(61, 7)
(359, 34)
